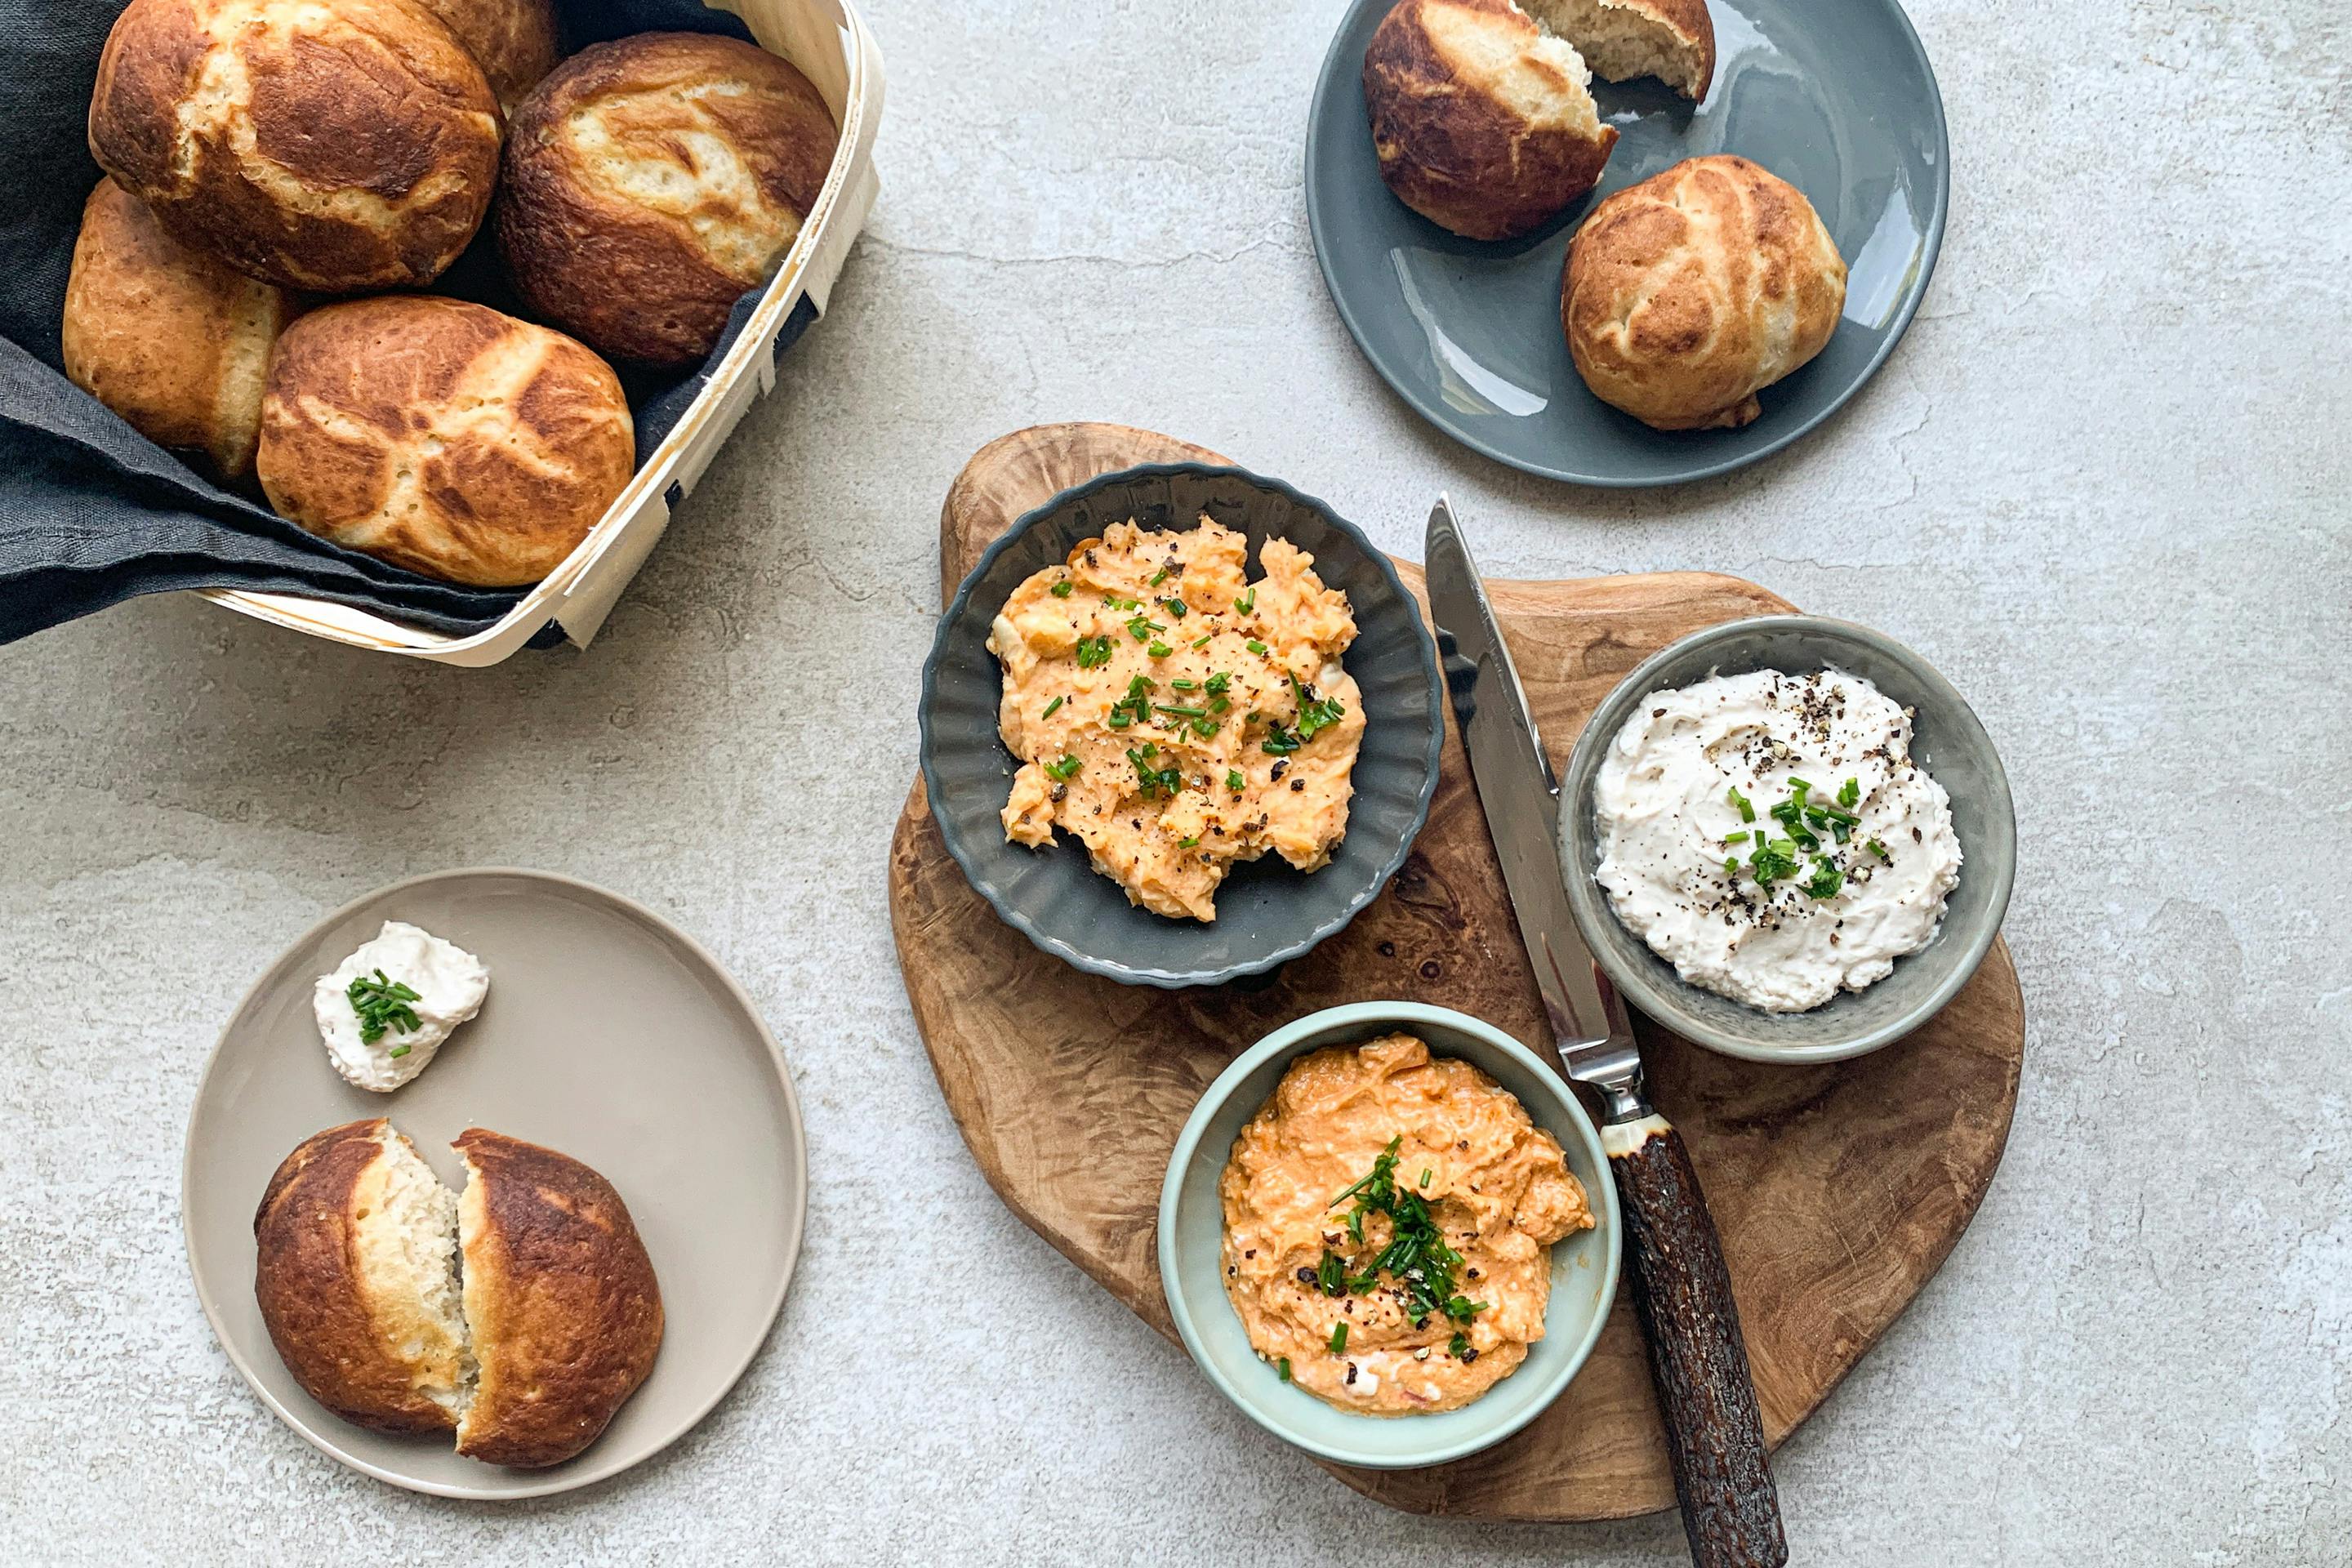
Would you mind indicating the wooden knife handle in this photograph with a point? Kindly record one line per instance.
(1682, 1295)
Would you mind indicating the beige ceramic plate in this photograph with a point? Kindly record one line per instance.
(609, 1034)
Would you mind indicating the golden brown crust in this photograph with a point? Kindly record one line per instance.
(1479, 125)
(513, 41)
(443, 437)
(307, 1277)
(330, 149)
(566, 1313)
(1689, 21)
(1686, 293)
(167, 337)
(649, 182)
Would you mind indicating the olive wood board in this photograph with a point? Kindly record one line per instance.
(1838, 1189)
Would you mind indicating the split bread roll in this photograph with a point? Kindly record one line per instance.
(169, 337)
(651, 182)
(1483, 122)
(1686, 293)
(443, 437)
(1482, 111)
(520, 1316)
(332, 148)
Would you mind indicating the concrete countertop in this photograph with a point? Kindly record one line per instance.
(2103, 485)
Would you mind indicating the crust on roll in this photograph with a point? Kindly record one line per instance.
(513, 41)
(1482, 124)
(1686, 293)
(1673, 40)
(325, 148)
(443, 437)
(566, 1314)
(356, 1277)
(169, 337)
(650, 182)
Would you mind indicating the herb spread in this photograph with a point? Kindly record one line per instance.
(1770, 837)
(1388, 1223)
(1174, 716)
(384, 1011)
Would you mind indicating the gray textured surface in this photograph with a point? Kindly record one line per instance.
(2103, 485)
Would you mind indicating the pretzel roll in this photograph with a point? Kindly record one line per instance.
(513, 41)
(649, 182)
(443, 437)
(1483, 122)
(330, 148)
(1686, 293)
(169, 337)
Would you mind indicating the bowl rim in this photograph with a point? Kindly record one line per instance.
(985, 886)
(1662, 999)
(1339, 64)
(1295, 1038)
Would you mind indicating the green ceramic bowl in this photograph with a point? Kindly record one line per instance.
(1191, 1225)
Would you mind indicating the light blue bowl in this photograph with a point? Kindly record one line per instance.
(1191, 1226)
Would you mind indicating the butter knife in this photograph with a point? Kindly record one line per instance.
(1682, 1292)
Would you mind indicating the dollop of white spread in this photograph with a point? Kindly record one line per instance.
(449, 982)
(1679, 858)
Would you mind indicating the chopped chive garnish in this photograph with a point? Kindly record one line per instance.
(1799, 785)
(1061, 590)
(1180, 710)
(381, 1003)
(1254, 646)
(1064, 770)
(1188, 843)
(1247, 601)
(1160, 650)
(1201, 641)
(1747, 810)
(1234, 780)
(1826, 880)
(1159, 576)
(1093, 652)
(1850, 792)
(1738, 838)
(1181, 685)
(1176, 607)
(1052, 707)
(1456, 1345)
(1218, 682)
(398, 1051)
(1879, 849)
(1282, 1368)
(1340, 1338)
(1205, 728)
(1425, 1178)
(1731, 867)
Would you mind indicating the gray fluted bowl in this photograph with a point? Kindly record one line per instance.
(1266, 912)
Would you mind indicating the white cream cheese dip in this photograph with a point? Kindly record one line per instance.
(449, 984)
(1770, 836)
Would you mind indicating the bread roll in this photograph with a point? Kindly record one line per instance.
(357, 1278)
(332, 148)
(168, 337)
(1484, 123)
(1673, 40)
(1686, 293)
(651, 182)
(512, 40)
(566, 1313)
(443, 437)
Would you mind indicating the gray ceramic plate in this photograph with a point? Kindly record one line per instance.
(608, 1034)
(1192, 1230)
(1266, 912)
(1834, 96)
(1946, 739)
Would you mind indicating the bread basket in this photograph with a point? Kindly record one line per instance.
(830, 44)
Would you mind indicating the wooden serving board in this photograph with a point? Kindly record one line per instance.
(1838, 1189)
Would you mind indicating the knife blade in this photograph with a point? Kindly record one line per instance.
(1516, 787)
(1681, 1289)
